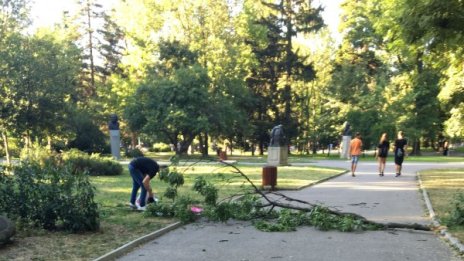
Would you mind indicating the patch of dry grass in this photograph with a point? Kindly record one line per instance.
(44, 245)
(442, 186)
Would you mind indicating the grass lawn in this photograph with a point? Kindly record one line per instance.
(120, 225)
(297, 158)
(442, 187)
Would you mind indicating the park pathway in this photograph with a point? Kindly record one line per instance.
(382, 199)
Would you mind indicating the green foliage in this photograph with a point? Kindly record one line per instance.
(170, 192)
(134, 153)
(321, 218)
(206, 189)
(180, 209)
(161, 147)
(287, 221)
(36, 153)
(92, 164)
(88, 137)
(220, 212)
(50, 196)
(160, 209)
(456, 217)
(37, 76)
(13, 148)
(7, 189)
(174, 103)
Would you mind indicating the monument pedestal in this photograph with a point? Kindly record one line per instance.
(345, 154)
(277, 156)
(115, 141)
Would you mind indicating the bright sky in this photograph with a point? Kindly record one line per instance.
(331, 13)
(49, 12)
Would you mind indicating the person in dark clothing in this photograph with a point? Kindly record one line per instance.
(445, 148)
(400, 151)
(382, 152)
(142, 170)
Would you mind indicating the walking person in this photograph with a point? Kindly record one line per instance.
(382, 152)
(355, 152)
(445, 148)
(400, 151)
(142, 170)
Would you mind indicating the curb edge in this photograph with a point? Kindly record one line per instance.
(120, 251)
(444, 232)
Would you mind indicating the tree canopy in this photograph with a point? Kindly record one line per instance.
(195, 72)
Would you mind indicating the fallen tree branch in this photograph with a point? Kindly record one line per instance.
(273, 204)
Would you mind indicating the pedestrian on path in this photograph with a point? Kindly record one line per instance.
(400, 151)
(382, 152)
(355, 152)
(142, 170)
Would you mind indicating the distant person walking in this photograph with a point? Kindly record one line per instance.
(400, 151)
(382, 152)
(445, 148)
(355, 152)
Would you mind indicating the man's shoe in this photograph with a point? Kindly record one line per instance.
(142, 208)
(132, 206)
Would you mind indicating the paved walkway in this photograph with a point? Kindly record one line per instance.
(382, 199)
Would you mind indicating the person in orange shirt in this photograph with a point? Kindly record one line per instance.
(355, 152)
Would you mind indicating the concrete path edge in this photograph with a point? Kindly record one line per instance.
(137, 242)
(321, 180)
(443, 231)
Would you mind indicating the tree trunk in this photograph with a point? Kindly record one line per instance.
(205, 154)
(7, 148)
(416, 148)
(92, 65)
(133, 140)
(203, 144)
(49, 143)
(200, 139)
(184, 144)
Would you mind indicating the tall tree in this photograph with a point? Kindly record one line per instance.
(360, 75)
(280, 63)
(438, 27)
(173, 105)
(89, 16)
(13, 19)
(208, 27)
(14, 16)
(38, 77)
(415, 70)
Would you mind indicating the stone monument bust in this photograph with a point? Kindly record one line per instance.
(113, 124)
(278, 138)
(347, 129)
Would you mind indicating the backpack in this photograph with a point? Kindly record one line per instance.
(399, 153)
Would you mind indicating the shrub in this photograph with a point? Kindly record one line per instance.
(93, 164)
(13, 148)
(161, 147)
(456, 217)
(88, 136)
(134, 153)
(49, 196)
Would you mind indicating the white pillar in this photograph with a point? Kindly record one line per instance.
(115, 142)
(345, 147)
